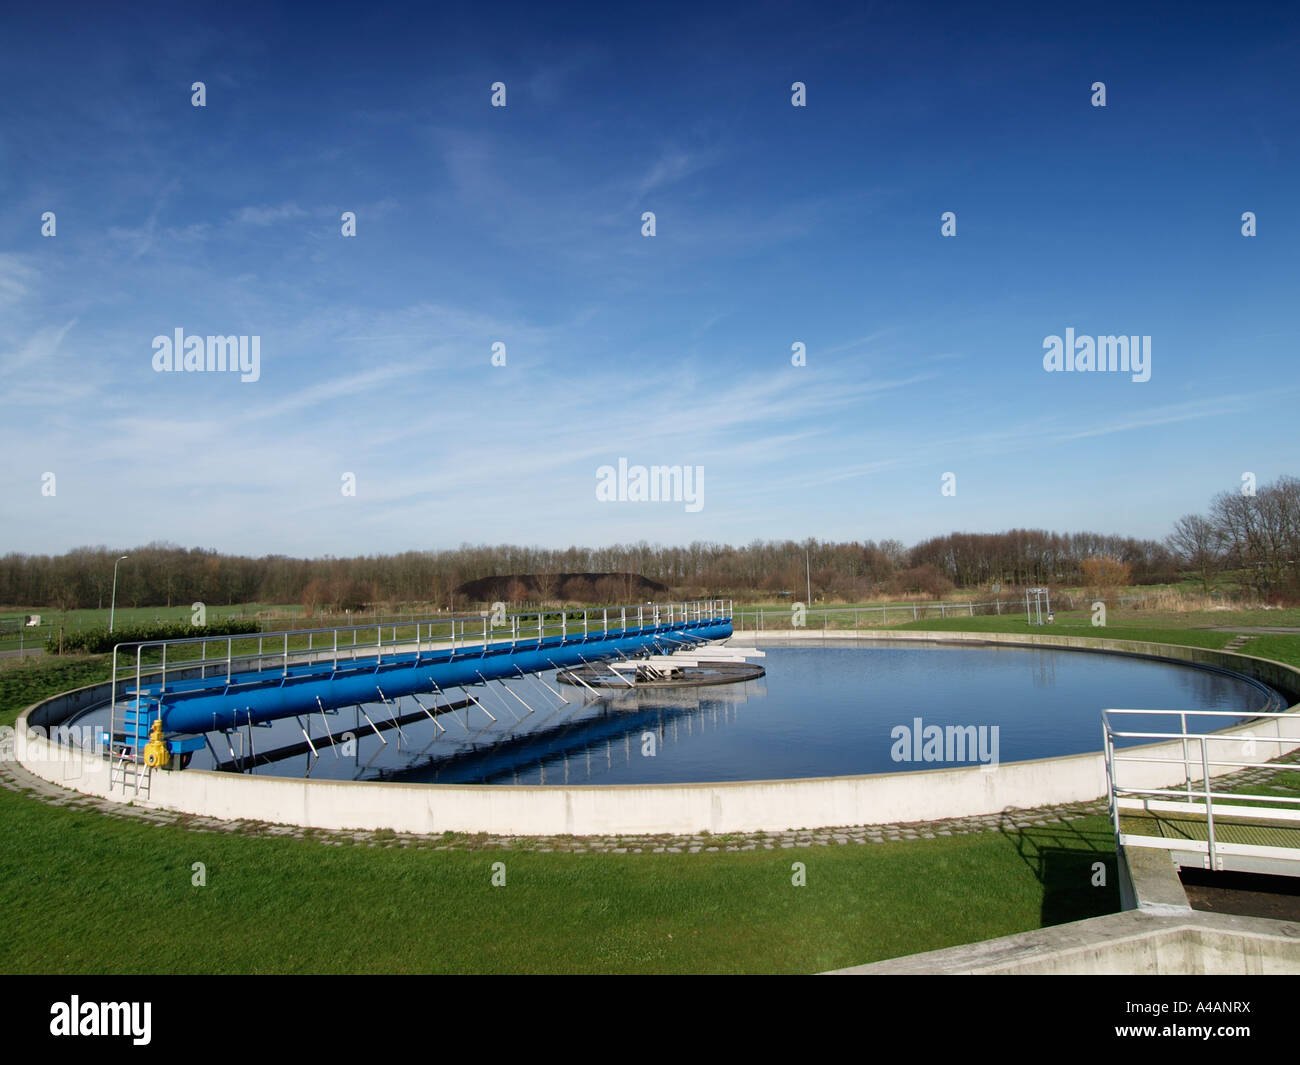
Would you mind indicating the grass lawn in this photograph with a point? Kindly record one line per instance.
(1159, 630)
(86, 893)
(71, 620)
(89, 894)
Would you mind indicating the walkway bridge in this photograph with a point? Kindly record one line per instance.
(216, 684)
(1237, 804)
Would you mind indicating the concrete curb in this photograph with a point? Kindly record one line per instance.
(743, 807)
(1130, 943)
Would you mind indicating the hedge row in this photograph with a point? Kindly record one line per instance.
(100, 640)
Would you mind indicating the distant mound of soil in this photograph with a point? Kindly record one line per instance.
(572, 587)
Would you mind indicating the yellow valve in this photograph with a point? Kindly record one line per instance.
(156, 755)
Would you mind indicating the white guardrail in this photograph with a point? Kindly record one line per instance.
(1233, 823)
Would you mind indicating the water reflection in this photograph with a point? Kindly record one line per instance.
(819, 711)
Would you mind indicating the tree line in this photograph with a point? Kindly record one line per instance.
(1256, 534)
(1253, 531)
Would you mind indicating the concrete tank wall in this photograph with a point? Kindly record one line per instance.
(744, 806)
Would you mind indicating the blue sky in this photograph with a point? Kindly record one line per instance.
(522, 225)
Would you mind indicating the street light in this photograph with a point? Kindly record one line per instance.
(112, 603)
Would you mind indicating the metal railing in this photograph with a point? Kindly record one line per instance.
(223, 658)
(1202, 757)
(883, 614)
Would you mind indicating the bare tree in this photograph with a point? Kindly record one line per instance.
(1197, 543)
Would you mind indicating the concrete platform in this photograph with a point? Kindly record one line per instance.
(1131, 943)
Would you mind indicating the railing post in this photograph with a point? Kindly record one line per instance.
(285, 672)
(1187, 762)
(1209, 807)
(112, 707)
(1111, 783)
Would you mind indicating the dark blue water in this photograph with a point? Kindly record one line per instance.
(828, 710)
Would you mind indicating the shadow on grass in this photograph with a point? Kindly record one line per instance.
(1064, 857)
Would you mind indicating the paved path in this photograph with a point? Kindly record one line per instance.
(1252, 628)
(16, 778)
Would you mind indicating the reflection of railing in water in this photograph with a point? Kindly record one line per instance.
(626, 717)
(194, 695)
(471, 727)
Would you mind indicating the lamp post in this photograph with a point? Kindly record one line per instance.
(112, 603)
(808, 573)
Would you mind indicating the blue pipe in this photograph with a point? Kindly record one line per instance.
(257, 697)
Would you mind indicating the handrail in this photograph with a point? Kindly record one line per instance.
(1202, 800)
(442, 633)
(477, 619)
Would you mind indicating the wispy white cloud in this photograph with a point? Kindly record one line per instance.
(672, 166)
(1166, 415)
(849, 345)
(41, 346)
(269, 215)
(351, 385)
(16, 279)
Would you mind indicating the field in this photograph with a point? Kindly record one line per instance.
(12, 631)
(86, 893)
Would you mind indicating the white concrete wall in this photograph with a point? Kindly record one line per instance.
(776, 805)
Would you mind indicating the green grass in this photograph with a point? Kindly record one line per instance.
(1081, 625)
(28, 680)
(71, 620)
(90, 894)
(1136, 626)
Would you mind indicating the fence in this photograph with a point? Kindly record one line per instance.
(885, 614)
(1193, 814)
(32, 640)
